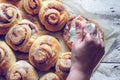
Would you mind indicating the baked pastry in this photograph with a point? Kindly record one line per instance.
(70, 29)
(9, 15)
(22, 70)
(7, 58)
(50, 76)
(63, 65)
(53, 15)
(44, 52)
(14, 0)
(32, 6)
(22, 35)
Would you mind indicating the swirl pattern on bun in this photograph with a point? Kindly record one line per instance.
(21, 36)
(53, 15)
(44, 52)
(9, 15)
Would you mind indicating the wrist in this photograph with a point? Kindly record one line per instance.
(78, 74)
(81, 68)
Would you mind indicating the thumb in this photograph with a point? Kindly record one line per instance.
(79, 30)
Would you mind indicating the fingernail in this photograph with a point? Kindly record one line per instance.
(90, 28)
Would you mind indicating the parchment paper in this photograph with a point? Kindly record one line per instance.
(97, 10)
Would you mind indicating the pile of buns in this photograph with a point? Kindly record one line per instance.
(33, 27)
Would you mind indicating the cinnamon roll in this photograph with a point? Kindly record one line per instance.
(7, 58)
(14, 0)
(50, 76)
(9, 15)
(53, 15)
(44, 52)
(32, 6)
(70, 29)
(63, 65)
(22, 70)
(21, 36)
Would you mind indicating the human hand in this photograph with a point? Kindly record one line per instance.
(87, 49)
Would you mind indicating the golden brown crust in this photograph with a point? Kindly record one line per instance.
(44, 52)
(53, 15)
(21, 36)
(70, 25)
(14, 0)
(50, 76)
(63, 65)
(22, 70)
(32, 6)
(9, 15)
(7, 58)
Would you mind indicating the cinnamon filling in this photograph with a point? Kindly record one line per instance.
(52, 16)
(18, 35)
(51, 77)
(8, 12)
(42, 54)
(33, 4)
(53, 19)
(40, 57)
(17, 76)
(65, 63)
(2, 54)
(20, 74)
(33, 29)
(57, 6)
